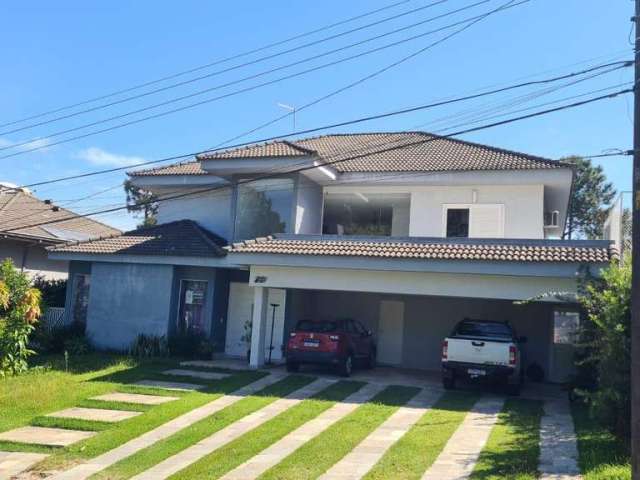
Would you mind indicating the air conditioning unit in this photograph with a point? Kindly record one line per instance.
(552, 219)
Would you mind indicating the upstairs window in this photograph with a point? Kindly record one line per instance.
(457, 222)
(263, 207)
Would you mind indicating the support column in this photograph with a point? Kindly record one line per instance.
(259, 327)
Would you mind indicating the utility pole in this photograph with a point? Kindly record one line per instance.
(635, 265)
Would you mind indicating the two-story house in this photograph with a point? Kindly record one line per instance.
(407, 232)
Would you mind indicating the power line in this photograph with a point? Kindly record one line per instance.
(207, 65)
(470, 20)
(354, 157)
(622, 64)
(239, 66)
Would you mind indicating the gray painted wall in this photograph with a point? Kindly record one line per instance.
(428, 320)
(34, 257)
(128, 299)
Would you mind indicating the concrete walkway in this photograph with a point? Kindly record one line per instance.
(134, 398)
(277, 452)
(558, 445)
(95, 414)
(56, 437)
(228, 434)
(459, 457)
(85, 470)
(12, 463)
(361, 459)
(181, 372)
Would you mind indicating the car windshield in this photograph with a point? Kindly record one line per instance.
(316, 327)
(483, 329)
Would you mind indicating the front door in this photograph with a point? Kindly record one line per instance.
(193, 297)
(565, 334)
(390, 332)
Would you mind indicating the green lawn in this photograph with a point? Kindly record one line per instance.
(601, 455)
(512, 450)
(416, 451)
(321, 452)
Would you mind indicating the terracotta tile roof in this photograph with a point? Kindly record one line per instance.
(19, 210)
(183, 238)
(432, 248)
(405, 152)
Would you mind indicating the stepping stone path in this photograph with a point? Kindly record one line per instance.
(12, 463)
(95, 414)
(99, 463)
(135, 398)
(58, 437)
(277, 452)
(196, 374)
(363, 457)
(558, 447)
(214, 364)
(228, 434)
(181, 386)
(459, 457)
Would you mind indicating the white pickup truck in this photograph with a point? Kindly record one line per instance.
(483, 350)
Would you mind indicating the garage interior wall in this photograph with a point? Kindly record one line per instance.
(428, 320)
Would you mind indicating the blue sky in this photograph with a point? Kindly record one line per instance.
(57, 53)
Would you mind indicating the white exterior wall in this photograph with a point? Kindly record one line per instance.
(212, 210)
(523, 208)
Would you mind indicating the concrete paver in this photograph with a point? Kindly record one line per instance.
(99, 463)
(558, 444)
(277, 452)
(58, 437)
(180, 372)
(95, 414)
(183, 386)
(459, 457)
(222, 437)
(135, 398)
(12, 463)
(367, 453)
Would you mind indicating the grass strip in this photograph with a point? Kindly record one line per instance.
(320, 453)
(513, 448)
(7, 446)
(71, 424)
(250, 444)
(112, 405)
(134, 427)
(601, 455)
(416, 451)
(163, 449)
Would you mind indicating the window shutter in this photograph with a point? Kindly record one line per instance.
(487, 221)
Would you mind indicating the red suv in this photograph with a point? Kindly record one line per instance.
(340, 343)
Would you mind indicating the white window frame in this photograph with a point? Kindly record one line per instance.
(470, 206)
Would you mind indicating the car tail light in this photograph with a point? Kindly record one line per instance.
(445, 350)
(512, 355)
(334, 338)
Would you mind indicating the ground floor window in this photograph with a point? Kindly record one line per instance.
(565, 327)
(191, 315)
(81, 285)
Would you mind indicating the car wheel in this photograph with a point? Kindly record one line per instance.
(293, 367)
(449, 383)
(347, 366)
(514, 389)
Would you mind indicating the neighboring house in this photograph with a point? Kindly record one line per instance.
(409, 241)
(25, 244)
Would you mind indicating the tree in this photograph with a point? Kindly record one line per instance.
(591, 195)
(19, 311)
(141, 201)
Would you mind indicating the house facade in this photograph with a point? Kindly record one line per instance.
(25, 244)
(407, 232)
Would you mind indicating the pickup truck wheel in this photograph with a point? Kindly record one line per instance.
(293, 366)
(346, 367)
(449, 383)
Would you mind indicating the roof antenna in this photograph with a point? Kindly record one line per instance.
(290, 109)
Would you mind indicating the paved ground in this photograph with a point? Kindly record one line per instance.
(456, 461)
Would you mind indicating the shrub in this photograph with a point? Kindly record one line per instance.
(191, 344)
(54, 340)
(53, 290)
(604, 356)
(19, 311)
(77, 345)
(148, 346)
